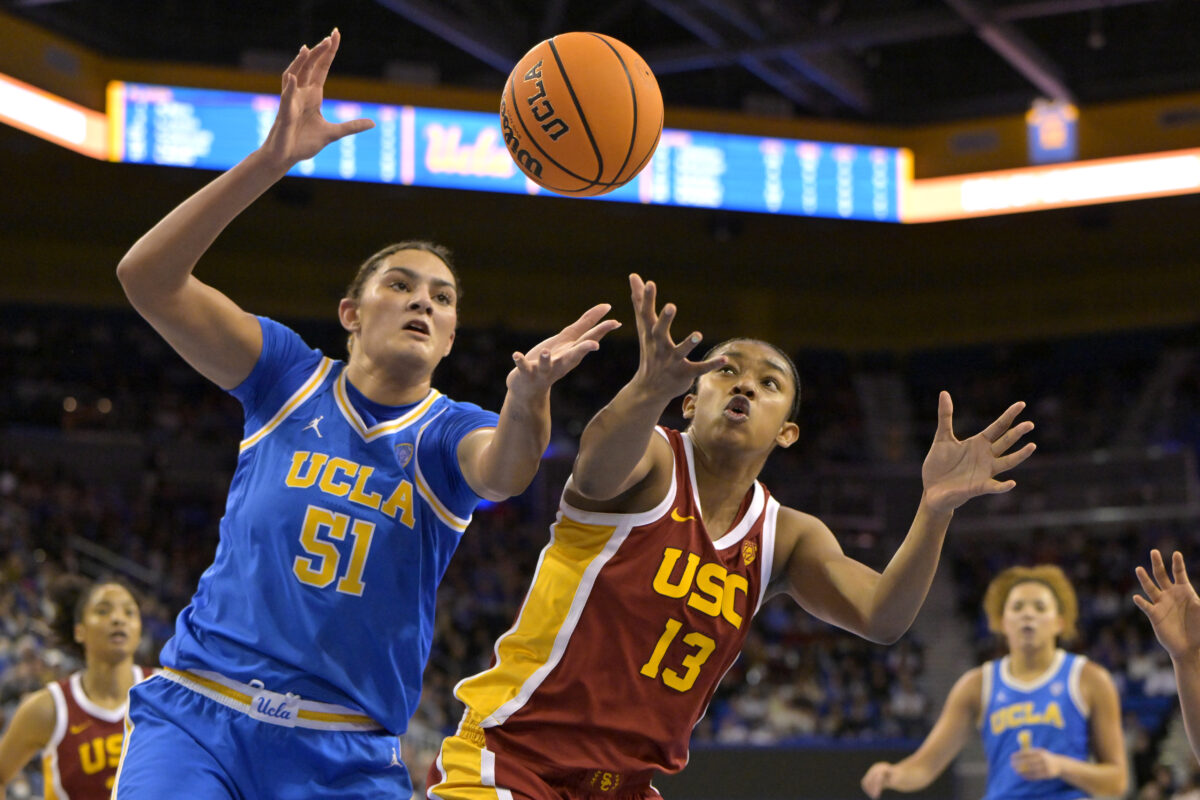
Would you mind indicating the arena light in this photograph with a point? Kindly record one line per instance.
(1080, 183)
(53, 118)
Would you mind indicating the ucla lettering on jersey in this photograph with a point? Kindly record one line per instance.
(342, 516)
(1047, 712)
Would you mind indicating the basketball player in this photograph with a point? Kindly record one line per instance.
(665, 547)
(1174, 610)
(299, 660)
(1050, 720)
(77, 722)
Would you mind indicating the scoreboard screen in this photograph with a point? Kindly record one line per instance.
(452, 149)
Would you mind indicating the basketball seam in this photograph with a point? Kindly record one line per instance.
(633, 98)
(532, 142)
(562, 69)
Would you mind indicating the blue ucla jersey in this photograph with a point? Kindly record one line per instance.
(1047, 712)
(342, 516)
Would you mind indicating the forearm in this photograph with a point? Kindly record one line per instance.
(905, 582)
(615, 440)
(1187, 678)
(510, 461)
(1097, 779)
(161, 261)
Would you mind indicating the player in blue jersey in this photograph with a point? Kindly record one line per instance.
(299, 660)
(1173, 608)
(1050, 720)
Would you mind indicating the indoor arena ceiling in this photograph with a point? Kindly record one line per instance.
(901, 61)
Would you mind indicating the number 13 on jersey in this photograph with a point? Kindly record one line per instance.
(703, 645)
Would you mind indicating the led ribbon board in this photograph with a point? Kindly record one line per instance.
(443, 148)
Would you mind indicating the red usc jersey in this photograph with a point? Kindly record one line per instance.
(629, 625)
(80, 760)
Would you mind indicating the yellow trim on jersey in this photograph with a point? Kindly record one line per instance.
(384, 428)
(49, 776)
(245, 699)
(444, 514)
(293, 402)
(526, 653)
(467, 771)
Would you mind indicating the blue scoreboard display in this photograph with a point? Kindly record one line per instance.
(444, 148)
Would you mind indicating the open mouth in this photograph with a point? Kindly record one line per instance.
(738, 409)
(118, 637)
(418, 326)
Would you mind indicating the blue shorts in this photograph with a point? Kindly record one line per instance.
(204, 737)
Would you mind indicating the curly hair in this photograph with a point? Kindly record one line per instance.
(1050, 576)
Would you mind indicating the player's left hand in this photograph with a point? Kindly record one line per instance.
(536, 370)
(1036, 764)
(955, 471)
(1171, 605)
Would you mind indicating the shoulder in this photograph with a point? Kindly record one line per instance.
(796, 531)
(967, 692)
(1095, 681)
(35, 717)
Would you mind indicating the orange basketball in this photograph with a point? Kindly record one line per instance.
(581, 114)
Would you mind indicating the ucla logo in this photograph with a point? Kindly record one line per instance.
(279, 711)
(1020, 715)
(404, 453)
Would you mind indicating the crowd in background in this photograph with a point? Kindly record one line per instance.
(108, 376)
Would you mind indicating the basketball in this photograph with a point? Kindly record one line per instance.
(581, 114)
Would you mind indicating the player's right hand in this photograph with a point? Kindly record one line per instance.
(877, 779)
(300, 131)
(663, 366)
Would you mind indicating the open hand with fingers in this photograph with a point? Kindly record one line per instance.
(663, 366)
(955, 471)
(299, 130)
(1171, 605)
(544, 363)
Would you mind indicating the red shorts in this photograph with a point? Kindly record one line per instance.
(466, 769)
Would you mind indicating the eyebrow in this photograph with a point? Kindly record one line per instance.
(775, 365)
(412, 273)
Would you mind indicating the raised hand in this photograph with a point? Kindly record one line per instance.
(299, 130)
(1171, 605)
(544, 363)
(663, 364)
(955, 471)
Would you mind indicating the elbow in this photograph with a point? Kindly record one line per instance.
(884, 633)
(1120, 783)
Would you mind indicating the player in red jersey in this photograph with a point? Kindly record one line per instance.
(665, 546)
(78, 723)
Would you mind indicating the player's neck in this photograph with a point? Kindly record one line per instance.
(107, 684)
(387, 387)
(1027, 664)
(721, 484)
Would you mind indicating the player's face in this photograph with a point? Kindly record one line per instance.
(112, 624)
(746, 401)
(408, 308)
(1031, 616)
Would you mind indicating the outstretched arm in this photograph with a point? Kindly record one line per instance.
(30, 730)
(940, 747)
(881, 607)
(500, 462)
(204, 326)
(614, 450)
(1174, 610)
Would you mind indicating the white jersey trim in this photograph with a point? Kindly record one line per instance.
(985, 692)
(1036, 683)
(1074, 688)
(50, 751)
(767, 556)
